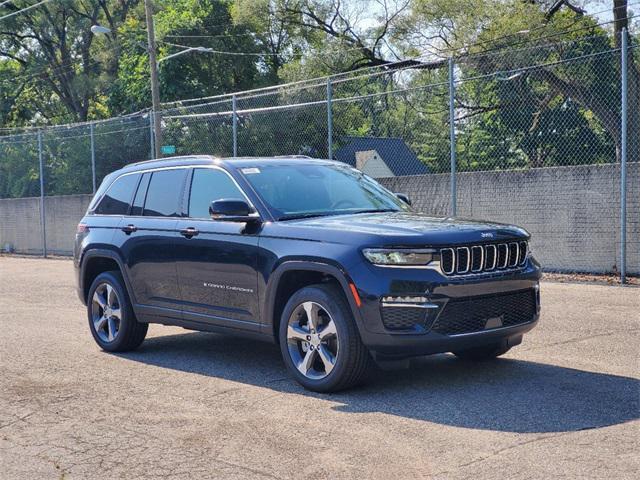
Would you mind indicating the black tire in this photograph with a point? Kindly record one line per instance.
(130, 332)
(480, 354)
(352, 361)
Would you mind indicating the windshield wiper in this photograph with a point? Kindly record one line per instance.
(296, 216)
(376, 210)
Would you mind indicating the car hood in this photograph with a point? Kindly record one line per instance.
(397, 228)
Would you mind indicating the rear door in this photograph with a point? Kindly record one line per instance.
(217, 267)
(148, 236)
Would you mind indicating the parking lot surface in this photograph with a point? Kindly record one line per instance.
(566, 403)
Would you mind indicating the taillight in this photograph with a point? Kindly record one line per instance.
(82, 228)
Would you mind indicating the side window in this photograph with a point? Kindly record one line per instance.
(208, 185)
(164, 193)
(118, 197)
(138, 201)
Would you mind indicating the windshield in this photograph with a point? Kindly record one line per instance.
(294, 191)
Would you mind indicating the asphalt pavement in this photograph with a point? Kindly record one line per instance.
(564, 404)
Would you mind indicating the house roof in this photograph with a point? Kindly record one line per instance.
(393, 151)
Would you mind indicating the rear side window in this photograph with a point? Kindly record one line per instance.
(208, 185)
(118, 197)
(164, 193)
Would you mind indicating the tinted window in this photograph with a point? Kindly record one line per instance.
(208, 185)
(138, 201)
(118, 197)
(163, 195)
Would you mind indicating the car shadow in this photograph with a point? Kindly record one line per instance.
(504, 395)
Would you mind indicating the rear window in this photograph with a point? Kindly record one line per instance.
(118, 197)
(164, 193)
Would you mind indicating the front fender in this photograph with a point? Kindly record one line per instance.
(315, 266)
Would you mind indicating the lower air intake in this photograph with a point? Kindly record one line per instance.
(476, 314)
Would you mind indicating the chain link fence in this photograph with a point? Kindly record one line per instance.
(532, 136)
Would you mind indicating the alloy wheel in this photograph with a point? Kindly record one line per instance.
(312, 340)
(106, 312)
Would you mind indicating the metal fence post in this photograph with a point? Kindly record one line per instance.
(452, 137)
(93, 158)
(623, 158)
(329, 120)
(42, 216)
(152, 152)
(234, 107)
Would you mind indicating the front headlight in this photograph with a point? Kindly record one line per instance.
(398, 256)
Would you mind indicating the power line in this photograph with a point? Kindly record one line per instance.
(211, 50)
(537, 39)
(252, 54)
(546, 26)
(22, 10)
(212, 36)
(340, 78)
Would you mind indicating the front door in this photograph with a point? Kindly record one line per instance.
(217, 261)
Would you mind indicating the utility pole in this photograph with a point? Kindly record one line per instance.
(155, 88)
(452, 138)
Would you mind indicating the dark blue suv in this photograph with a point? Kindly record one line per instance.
(310, 254)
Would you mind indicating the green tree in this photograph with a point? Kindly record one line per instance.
(55, 76)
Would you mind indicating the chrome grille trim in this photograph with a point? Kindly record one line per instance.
(483, 258)
(503, 247)
(524, 251)
(474, 251)
(468, 252)
(443, 253)
(510, 253)
(495, 257)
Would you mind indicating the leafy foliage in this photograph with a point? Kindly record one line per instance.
(54, 70)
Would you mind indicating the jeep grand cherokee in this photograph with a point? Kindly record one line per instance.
(310, 254)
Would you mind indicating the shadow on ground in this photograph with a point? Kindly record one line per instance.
(504, 395)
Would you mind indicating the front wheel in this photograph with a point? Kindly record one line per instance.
(111, 319)
(319, 340)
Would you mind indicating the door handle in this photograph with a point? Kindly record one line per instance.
(129, 229)
(189, 232)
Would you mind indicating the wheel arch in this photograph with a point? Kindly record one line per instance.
(98, 260)
(304, 273)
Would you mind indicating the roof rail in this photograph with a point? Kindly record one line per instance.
(161, 159)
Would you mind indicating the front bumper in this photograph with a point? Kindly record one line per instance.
(376, 285)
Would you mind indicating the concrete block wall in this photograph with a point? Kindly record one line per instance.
(573, 213)
(20, 223)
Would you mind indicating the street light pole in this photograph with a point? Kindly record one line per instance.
(155, 89)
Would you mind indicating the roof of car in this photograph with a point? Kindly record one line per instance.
(229, 162)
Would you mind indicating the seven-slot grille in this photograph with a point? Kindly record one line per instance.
(485, 258)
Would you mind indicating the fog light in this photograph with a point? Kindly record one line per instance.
(406, 299)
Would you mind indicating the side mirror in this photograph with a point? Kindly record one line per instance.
(232, 210)
(405, 198)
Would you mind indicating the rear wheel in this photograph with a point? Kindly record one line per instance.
(320, 342)
(111, 319)
(479, 354)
